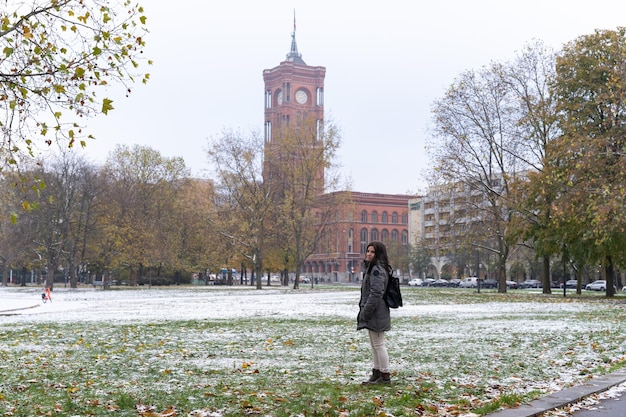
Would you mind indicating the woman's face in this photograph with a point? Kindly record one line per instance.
(370, 254)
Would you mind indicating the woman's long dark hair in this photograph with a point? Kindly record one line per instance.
(380, 255)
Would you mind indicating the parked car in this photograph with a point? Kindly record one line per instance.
(454, 282)
(531, 283)
(570, 283)
(511, 285)
(305, 280)
(440, 283)
(415, 282)
(428, 282)
(470, 282)
(489, 283)
(599, 285)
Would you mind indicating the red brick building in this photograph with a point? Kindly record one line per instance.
(294, 99)
(363, 218)
(294, 92)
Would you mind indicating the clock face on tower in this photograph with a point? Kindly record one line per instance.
(279, 98)
(301, 96)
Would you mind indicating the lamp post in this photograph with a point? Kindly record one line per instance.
(478, 270)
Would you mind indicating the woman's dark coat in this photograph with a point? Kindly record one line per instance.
(373, 311)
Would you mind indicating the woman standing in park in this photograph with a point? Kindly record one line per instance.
(373, 311)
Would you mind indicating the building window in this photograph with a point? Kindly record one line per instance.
(350, 239)
(394, 218)
(384, 235)
(287, 88)
(320, 96)
(385, 217)
(405, 218)
(374, 235)
(405, 237)
(364, 217)
(319, 130)
(363, 241)
(394, 235)
(374, 217)
(268, 131)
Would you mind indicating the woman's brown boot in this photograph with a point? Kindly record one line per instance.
(385, 378)
(373, 378)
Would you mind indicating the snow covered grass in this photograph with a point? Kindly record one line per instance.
(215, 351)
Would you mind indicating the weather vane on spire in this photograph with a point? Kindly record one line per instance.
(293, 54)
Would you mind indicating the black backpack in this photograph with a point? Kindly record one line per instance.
(392, 296)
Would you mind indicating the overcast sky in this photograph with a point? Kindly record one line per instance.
(385, 65)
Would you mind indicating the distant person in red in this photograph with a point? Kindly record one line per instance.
(46, 296)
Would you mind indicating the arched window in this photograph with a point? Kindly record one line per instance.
(405, 218)
(374, 217)
(350, 239)
(394, 235)
(364, 216)
(405, 237)
(394, 218)
(385, 217)
(363, 240)
(374, 234)
(384, 235)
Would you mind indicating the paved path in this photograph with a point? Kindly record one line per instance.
(611, 407)
(12, 306)
(572, 395)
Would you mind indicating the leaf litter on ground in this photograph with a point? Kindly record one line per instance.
(280, 352)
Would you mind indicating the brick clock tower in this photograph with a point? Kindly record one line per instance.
(294, 98)
(294, 126)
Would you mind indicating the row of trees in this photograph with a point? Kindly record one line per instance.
(140, 210)
(141, 214)
(541, 140)
(132, 213)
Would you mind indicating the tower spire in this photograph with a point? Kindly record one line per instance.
(293, 55)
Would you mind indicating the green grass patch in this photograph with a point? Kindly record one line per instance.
(452, 352)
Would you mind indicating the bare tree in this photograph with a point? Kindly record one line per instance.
(301, 173)
(473, 142)
(244, 201)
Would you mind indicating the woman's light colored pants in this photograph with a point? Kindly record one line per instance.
(379, 351)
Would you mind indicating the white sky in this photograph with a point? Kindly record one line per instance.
(385, 66)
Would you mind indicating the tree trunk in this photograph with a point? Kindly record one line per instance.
(502, 275)
(545, 279)
(73, 274)
(579, 280)
(610, 277)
